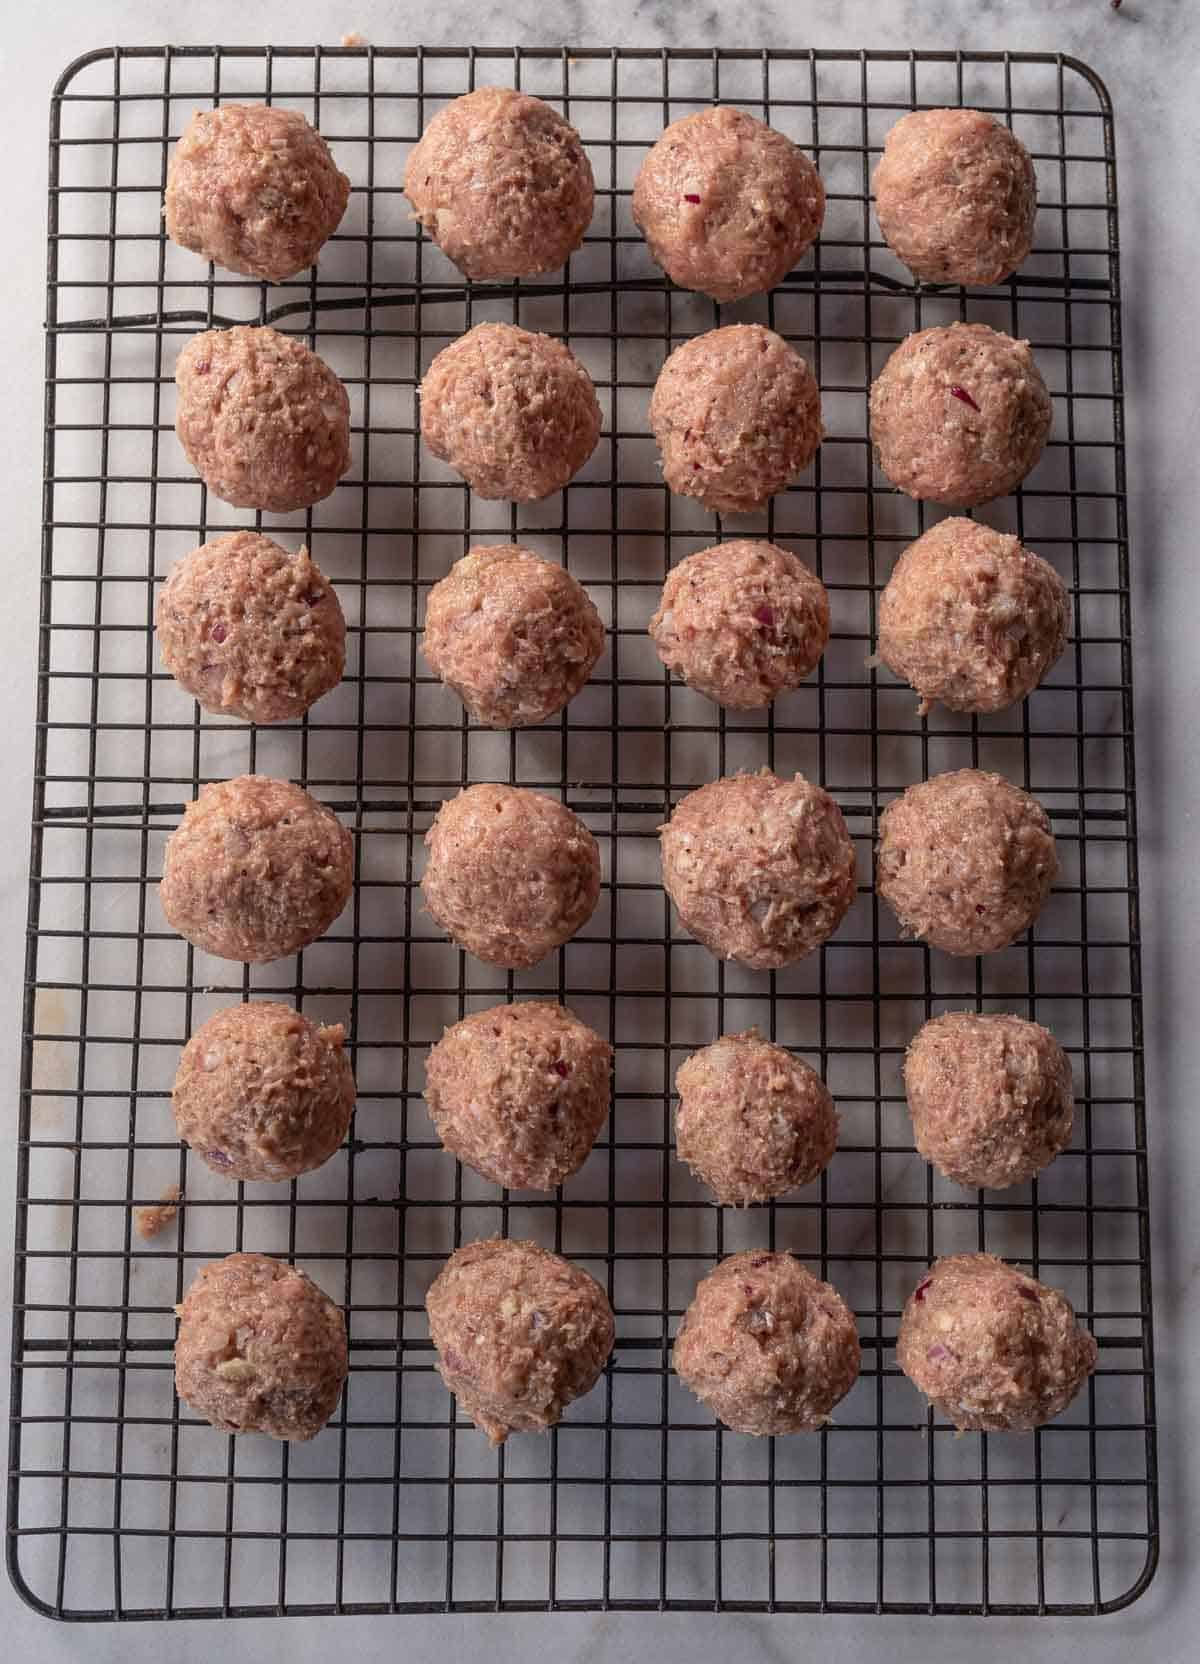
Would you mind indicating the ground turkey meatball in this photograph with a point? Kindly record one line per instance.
(994, 1350)
(760, 869)
(972, 618)
(262, 1093)
(515, 413)
(254, 189)
(966, 861)
(727, 204)
(502, 184)
(767, 1346)
(249, 630)
(753, 1121)
(260, 1349)
(520, 1333)
(520, 1092)
(256, 869)
(959, 414)
(511, 874)
(264, 421)
(956, 196)
(742, 622)
(990, 1096)
(513, 634)
(737, 415)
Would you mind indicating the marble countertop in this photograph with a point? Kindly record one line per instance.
(1146, 51)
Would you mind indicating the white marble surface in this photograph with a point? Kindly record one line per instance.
(1147, 53)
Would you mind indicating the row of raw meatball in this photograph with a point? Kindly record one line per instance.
(969, 617)
(520, 1333)
(959, 414)
(502, 183)
(761, 870)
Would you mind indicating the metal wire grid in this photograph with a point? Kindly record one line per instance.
(121, 1506)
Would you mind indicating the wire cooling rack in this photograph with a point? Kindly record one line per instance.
(121, 1505)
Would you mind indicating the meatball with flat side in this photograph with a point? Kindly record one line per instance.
(502, 184)
(262, 1093)
(256, 869)
(737, 415)
(262, 419)
(727, 204)
(520, 1333)
(519, 1092)
(511, 874)
(767, 1346)
(260, 1349)
(993, 1349)
(753, 1121)
(742, 622)
(761, 870)
(965, 861)
(254, 188)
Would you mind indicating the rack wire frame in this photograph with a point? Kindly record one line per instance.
(120, 1505)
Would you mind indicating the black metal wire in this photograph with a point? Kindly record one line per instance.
(121, 1507)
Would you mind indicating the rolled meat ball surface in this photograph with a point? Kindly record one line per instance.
(257, 869)
(742, 622)
(972, 619)
(520, 1092)
(262, 419)
(993, 1349)
(767, 1346)
(254, 188)
(260, 1349)
(753, 1121)
(520, 1333)
(959, 414)
(990, 1095)
(514, 413)
(761, 870)
(737, 415)
(511, 874)
(250, 630)
(515, 635)
(965, 861)
(956, 196)
(262, 1093)
(502, 184)
(727, 204)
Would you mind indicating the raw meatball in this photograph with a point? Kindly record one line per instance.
(956, 196)
(990, 1096)
(254, 189)
(516, 414)
(753, 1121)
(972, 618)
(520, 1092)
(742, 622)
(966, 861)
(760, 869)
(767, 1346)
(262, 1093)
(737, 415)
(727, 204)
(256, 869)
(249, 630)
(264, 421)
(513, 634)
(992, 1348)
(511, 874)
(502, 184)
(959, 414)
(519, 1332)
(260, 1349)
